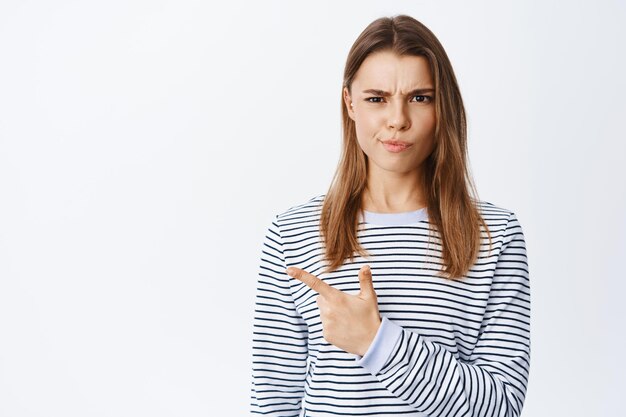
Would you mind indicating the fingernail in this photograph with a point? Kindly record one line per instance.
(289, 271)
(367, 268)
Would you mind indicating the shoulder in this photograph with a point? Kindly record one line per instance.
(502, 222)
(495, 214)
(307, 209)
(298, 218)
(492, 211)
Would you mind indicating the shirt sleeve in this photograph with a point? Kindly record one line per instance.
(379, 350)
(493, 382)
(280, 336)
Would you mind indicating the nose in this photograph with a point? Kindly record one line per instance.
(398, 118)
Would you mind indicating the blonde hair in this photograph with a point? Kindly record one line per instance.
(446, 181)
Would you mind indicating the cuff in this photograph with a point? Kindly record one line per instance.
(381, 348)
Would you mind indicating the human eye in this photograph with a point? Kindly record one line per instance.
(369, 99)
(423, 99)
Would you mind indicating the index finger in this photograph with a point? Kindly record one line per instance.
(311, 281)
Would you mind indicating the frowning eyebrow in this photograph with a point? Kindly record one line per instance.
(382, 93)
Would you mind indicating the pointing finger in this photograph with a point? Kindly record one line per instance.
(365, 281)
(311, 281)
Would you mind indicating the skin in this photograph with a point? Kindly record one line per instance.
(351, 322)
(393, 183)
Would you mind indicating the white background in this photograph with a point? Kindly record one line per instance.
(146, 145)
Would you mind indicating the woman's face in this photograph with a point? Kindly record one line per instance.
(393, 100)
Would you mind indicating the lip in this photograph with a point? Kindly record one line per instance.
(396, 145)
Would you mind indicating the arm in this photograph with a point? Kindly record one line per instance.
(280, 335)
(493, 383)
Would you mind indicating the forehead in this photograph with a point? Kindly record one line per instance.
(388, 70)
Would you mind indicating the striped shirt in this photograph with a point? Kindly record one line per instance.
(444, 348)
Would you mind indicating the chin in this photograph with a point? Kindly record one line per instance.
(395, 167)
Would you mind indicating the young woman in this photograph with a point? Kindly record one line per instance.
(398, 292)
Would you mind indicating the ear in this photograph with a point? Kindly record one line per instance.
(348, 102)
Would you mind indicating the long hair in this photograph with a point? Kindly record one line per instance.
(449, 189)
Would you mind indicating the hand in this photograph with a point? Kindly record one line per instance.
(349, 322)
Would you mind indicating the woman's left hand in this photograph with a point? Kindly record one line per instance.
(349, 322)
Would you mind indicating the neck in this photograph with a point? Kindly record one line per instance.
(392, 192)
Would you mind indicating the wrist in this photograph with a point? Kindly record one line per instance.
(371, 336)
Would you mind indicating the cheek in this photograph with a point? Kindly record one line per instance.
(367, 130)
(428, 121)
(366, 141)
(424, 130)
(426, 134)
